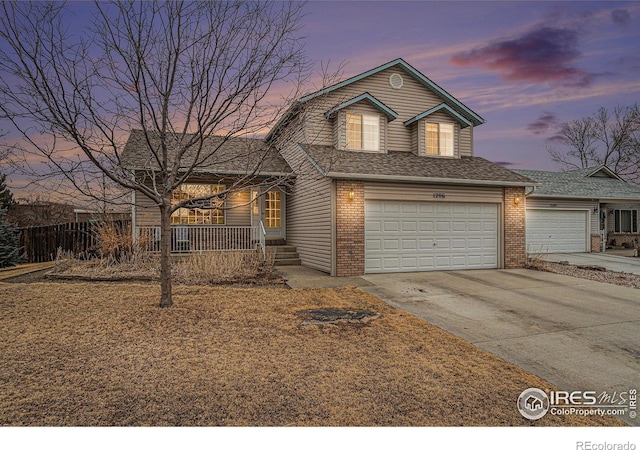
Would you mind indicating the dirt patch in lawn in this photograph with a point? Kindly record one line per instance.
(102, 355)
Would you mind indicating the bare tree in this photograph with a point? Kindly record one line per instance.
(605, 138)
(181, 72)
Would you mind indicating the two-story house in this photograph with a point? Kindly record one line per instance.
(385, 180)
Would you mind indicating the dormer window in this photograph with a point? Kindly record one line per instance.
(439, 139)
(363, 132)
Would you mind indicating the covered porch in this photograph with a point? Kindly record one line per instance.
(619, 226)
(248, 219)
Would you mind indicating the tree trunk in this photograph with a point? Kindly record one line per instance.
(165, 257)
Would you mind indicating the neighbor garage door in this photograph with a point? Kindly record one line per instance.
(403, 236)
(553, 231)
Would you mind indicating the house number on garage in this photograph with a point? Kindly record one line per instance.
(439, 195)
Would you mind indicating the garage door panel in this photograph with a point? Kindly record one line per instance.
(430, 236)
(556, 231)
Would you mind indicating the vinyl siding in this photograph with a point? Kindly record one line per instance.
(563, 204)
(308, 214)
(409, 101)
(426, 192)
(147, 212)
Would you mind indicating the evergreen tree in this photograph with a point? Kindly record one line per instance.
(10, 251)
(6, 197)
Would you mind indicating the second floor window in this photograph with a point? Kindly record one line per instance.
(439, 139)
(363, 132)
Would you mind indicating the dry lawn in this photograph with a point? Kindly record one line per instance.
(104, 354)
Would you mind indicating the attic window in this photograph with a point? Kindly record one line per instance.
(396, 81)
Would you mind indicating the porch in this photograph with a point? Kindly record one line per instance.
(199, 239)
(619, 226)
(204, 238)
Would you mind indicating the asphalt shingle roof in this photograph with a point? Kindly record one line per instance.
(404, 165)
(578, 184)
(233, 156)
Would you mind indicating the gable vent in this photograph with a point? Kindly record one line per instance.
(396, 81)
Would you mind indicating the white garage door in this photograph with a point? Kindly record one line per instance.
(419, 236)
(553, 231)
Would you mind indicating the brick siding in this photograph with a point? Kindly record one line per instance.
(595, 243)
(349, 228)
(514, 228)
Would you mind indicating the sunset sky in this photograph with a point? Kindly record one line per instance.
(526, 67)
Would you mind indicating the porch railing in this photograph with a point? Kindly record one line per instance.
(203, 238)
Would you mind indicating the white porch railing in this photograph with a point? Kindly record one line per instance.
(203, 238)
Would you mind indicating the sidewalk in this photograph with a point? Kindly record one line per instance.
(23, 269)
(299, 277)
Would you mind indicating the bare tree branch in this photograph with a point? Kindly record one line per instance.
(605, 138)
(181, 72)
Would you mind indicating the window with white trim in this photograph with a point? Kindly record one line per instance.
(363, 132)
(439, 139)
(626, 220)
(198, 212)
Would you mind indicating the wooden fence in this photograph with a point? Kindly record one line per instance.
(41, 244)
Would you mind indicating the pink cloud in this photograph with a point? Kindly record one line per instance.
(542, 55)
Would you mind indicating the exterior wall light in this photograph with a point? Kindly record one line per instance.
(516, 201)
(352, 195)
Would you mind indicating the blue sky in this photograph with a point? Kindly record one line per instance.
(525, 67)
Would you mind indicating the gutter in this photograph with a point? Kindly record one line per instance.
(425, 180)
(599, 199)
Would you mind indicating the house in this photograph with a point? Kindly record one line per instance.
(382, 178)
(582, 210)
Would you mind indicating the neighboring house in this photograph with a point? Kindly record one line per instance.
(385, 180)
(581, 210)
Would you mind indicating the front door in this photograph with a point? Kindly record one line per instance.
(268, 207)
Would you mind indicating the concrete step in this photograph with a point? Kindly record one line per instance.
(286, 255)
(281, 248)
(287, 262)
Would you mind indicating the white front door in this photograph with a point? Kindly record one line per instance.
(268, 207)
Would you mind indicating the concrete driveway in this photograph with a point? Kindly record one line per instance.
(575, 333)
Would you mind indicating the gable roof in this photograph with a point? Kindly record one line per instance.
(408, 167)
(384, 109)
(229, 156)
(421, 78)
(447, 98)
(463, 122)
(587, 183)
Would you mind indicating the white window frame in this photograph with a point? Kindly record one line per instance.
(211, 215)
(366, 135)
(445, 139)
(633, 220)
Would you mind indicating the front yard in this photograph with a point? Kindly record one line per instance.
(104, 354)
